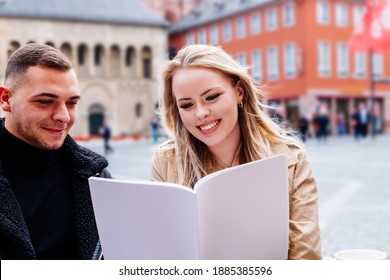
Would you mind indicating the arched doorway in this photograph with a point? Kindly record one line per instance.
(96, 119)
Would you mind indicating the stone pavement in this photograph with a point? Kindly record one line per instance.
(353, 181)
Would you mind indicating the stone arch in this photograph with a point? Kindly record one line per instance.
(138, 110)
(99, 60)
(82, 59)
(95, 118)
(96, 103)
(66, 49)
(130, 66)
(49, 43)
(13, 46)
(146, 56)
(115, 59)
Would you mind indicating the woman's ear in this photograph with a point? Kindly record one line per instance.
(5, 95)
(240, 90)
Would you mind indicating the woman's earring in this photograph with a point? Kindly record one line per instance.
(241, 104)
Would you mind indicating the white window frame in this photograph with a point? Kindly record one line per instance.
(290, 64)
(360, 64)
(377, 61)
(272, 63)
(342, 53)
(357, 12)
(255, 23)
(341, 14)
(324, 59)
(214, 34)
(271, 18)
(257, 72)
(323, 12)
(288, 14)
(227, 31)
(240, 28)
(190, 38)
(241, 59)
(202, 38)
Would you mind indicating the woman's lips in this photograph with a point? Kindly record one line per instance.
(209, 127)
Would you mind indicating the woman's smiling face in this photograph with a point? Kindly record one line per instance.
(207, 103)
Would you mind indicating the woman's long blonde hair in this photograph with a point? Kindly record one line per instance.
(258, 130)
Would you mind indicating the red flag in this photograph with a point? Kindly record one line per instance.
(374, 32)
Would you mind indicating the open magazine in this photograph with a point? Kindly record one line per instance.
(240, 212)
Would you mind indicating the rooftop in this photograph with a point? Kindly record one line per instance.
(212, 10)
(110, 11)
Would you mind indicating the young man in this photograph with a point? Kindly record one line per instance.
(45, 205)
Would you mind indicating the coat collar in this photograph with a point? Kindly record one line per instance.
(284, 149)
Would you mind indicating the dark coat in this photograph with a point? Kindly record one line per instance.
(15, 241)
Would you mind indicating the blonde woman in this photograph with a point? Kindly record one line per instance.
(212, 112)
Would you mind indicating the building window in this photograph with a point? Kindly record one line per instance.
(227, 31)
(342, 60)
(377, 64)
(322, 12)
(288, 14)
(115, 58)
(360, 64)
(289, 60)
(81, 54)
(257, 66)
(66, 49)
(255, 24)
(240, 24)
(341, 14)
(147, 62)
(272, 63)
(202, 36)
(241, 58)
(13, 47)
(271, 19)
(214, 34)
(358, 12)
(138, 110)
(323, 59)
(98, 55)
(129, 56)
(190, 40)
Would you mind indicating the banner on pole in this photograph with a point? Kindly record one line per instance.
(374, 31)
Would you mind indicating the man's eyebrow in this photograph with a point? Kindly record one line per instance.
(52, 95)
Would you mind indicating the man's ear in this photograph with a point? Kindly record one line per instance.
(5, 95)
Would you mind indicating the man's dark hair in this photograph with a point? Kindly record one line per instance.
(34, 54)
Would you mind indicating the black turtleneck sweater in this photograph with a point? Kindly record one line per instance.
(39, 179)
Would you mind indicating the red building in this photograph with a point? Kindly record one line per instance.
(297, 49)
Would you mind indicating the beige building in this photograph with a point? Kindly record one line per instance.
(116, 47)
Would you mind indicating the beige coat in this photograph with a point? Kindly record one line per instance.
(304, 230)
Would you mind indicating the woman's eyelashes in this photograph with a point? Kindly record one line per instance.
(185, 105)
(211, 97)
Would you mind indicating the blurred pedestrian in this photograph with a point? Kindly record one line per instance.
(364, 120)
(303, 125)
(155, 123)
(106, 134)
(355, 119)
(322, 120)
(340, 123)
